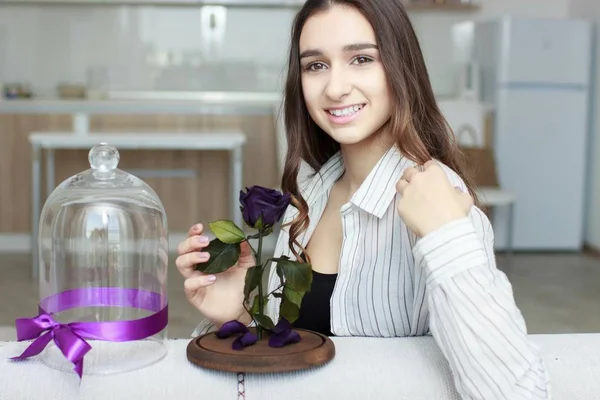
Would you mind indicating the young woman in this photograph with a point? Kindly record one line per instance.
(388, 220)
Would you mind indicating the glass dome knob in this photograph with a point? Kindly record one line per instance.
(104, 157)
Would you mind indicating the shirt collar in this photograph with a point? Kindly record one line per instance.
(321, 182)
(376, 192)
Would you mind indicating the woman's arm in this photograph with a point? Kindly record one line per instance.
(473, 315)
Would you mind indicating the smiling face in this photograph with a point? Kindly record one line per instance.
(343, 80)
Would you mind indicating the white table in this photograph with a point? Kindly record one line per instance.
(363, 368)
(232, 141)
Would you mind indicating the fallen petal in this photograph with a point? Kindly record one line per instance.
(231, 328)
(247, 339)
(282, 326)
(284, 338)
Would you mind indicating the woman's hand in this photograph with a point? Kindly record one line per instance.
(428, 200)
(218, 297)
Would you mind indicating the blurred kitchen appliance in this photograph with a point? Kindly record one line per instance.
(536, 74)
(213, 21)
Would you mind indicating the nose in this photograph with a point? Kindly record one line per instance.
(338, 85)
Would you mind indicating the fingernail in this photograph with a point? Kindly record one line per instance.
(458, 188)
(211, 278)
(203, 240)
(204, 255)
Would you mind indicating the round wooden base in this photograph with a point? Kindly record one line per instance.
(210, 352)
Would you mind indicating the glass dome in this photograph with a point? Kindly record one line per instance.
(103, 258)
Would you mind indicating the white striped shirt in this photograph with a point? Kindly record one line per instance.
(445, 284)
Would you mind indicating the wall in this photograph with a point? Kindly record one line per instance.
(158, 48)
(590, 10)
(141, 47)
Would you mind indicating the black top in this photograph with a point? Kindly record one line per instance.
(315, 311)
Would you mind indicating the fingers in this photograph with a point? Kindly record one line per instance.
(407, 177)
(190, 254)
(409, 173)
(192, 243)
(195, 283)
(430, 164)
(195, 230)
(186, 262)
(401, 185)
(246, 259)
(245, 249)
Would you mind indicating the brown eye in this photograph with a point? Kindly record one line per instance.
(362, 60)
(315, 66)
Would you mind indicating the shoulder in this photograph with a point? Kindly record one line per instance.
(478, 218)
(452, 176)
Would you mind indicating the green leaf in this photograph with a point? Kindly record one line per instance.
(264, 320)
(227, 231)
(222, 257)
(264, 232)
(298, 276)
(289, 310)
(279, 271)
(255, 309)
(293, 296)
(259, 223)
(253, 279)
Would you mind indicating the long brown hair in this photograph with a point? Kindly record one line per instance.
(422, 132)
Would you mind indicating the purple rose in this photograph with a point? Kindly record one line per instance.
(264, 204)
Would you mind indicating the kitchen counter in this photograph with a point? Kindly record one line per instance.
(185, 197)
(214, 103)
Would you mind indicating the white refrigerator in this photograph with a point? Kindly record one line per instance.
(536, 74)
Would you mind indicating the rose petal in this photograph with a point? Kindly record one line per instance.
(263, 203)
(269, 216)
(283, 204)
(231, 328)
(247, 339)
(282, 326)
(284, 338)
(249, 212)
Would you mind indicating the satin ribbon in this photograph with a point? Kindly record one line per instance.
(70, 338)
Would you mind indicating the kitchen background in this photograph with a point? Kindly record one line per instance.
(225, 66)
(163, 47)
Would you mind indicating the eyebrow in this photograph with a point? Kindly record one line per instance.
(348, 47)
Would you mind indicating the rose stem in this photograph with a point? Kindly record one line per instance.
(260, 286)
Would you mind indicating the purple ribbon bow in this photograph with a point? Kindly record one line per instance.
(66, 337)
(70, 338)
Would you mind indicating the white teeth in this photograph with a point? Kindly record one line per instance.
(345, 111)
